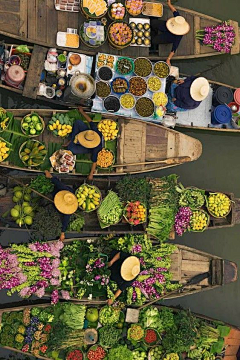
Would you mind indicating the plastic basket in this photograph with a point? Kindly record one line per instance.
(130, 60)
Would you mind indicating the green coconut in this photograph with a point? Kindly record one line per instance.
(28, 220)
(27, 210)
(18, 194)
(14, 213)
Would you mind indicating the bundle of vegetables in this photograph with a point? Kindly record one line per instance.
(199, 220)
(182, 220)
(4, 119)
(135, 332)
(32, 125)
(110, 211)
(109, 336)
(76, 223)
(22, 213)
(135, 213)
(61, 125)
(155, 353)
(73, 315)
(42, 184)
(32, 153)
(120, 352)
(218, 205)
(47, 222)
(190, 197)
(150, 317)
(5, 148)
(163, 206)
(109, 315)
(89, 197)
(133, 189)
(139, 355)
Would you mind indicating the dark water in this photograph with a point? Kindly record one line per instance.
(217, 169)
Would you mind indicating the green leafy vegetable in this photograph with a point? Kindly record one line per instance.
(120, 353)
(109, 336)
(192, 197)
(76, 222)
(42, 185)
(73, 315)
(133, 189)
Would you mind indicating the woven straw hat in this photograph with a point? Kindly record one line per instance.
(130, 268)
(199, 89)
(178, 25)
(66, 202)
(89, 139)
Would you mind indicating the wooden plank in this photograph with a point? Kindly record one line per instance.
(34, 71)
(52, 23)
(120, 145)
(197, 266)
(23, 19)
(186, 46)
(41, 20)
(7, 21)
(176, 264)
(32, 20)
(235, 49)
(9, 6)
(230, 357)
(188, 255)
(62, 21)
(197, 45)
(234, 334)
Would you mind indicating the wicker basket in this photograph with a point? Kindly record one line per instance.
(110, 166)
(109, 13)
(213, 215)
(21, 149)
(88, 15)
(42, 121)
(100, 199)
(117, 127)
(115, 45)
(208, 222)
(141, 222)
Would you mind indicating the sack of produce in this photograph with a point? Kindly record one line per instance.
(110, 211)
(219, 205)
(89, 197)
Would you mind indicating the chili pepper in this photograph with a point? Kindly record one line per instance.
(150, 336)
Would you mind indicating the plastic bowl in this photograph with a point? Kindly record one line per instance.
(99, 72)
(130, 61)
(140, 99)
(161, 62)
(145, 59)
(121, 78)
(133, 99)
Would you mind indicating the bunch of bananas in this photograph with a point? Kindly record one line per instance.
(218, 204)
(109, 129)
(4, 150)
(199, 220)
(4, 119)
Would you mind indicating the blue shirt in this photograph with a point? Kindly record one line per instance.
(168, 36)
(182, 94)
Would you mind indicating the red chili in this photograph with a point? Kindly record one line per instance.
(75, 355)
(150, 336)
(97, 354)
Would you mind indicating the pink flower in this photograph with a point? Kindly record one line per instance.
(56, 273)
(25, 292)
(54, 297)
(55, 282)
(65, 295)
(22, 278)
(55, 263)
(32, 247)
(40, 292)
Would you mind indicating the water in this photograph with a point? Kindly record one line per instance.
(217, 169)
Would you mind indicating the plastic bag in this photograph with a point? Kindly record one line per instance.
(23, 49)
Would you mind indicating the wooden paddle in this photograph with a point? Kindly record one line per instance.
(170, 161)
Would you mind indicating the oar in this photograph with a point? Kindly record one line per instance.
(20, 183)
(170, 161)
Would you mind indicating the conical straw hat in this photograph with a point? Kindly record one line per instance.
(178, 25)
(66, 202)
(130, 268)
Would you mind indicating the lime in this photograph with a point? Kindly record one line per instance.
(28, 220)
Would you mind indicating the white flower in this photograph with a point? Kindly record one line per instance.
(90, 297)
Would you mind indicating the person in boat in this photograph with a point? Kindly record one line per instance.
(85, 140)
(187, 94)
(64, 200)
(170, 31)
(124, 270)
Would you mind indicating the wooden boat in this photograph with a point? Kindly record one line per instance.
(38, 22)
(231, 342)
(141, 146)
(91, 226)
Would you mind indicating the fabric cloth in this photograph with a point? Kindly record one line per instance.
(78, 127)
(166, 37)
(59, 186)
(116, 270)
(171, 107)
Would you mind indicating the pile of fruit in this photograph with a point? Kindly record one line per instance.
(61, 125)
(32, 153)
(117, 11)
(135, 213)
(4, 149)
(109, 129)
(32, 125)
(218, 205)
(139, 355)
(199, 220)
(120, 34)
(110, 211)
(4, 119)
(155, 352)
(150, 337)
(96, 353)
(22, 212)
(89, 197)
(105, 159)
(135, 332)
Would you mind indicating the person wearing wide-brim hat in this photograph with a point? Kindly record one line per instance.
(64, 200)
(187, 94)
(124, 270)
(85, 140)
(170, 31)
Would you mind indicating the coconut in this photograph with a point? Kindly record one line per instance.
(14, 213)
(27, 197)
(17, 188)
(15, 199)
(27, 210)
(17, 207)
(28, 220)
(18, 194)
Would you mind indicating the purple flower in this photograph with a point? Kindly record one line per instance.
(55, 282)
(54, 297)
(65, 295)
(55, 263)
(25, 292)
(97, 277)
(136, 249)
(40, 292)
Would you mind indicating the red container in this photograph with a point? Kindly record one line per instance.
(15, 76)
(234, 104)
(237, 96)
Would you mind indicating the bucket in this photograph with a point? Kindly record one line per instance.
(237, 96)
(223, 95)
(222, 114)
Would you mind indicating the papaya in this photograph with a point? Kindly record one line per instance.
(43, 152)
(27, 151)
(34, 152)
(25, 158)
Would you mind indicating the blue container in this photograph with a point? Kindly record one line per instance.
(222, 114)
(122, 78)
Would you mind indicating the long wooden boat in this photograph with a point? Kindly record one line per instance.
(186, 263)
(38, 22)
(92, 226)
(141, 146)
(231, 342)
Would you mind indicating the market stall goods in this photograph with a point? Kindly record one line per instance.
(105, 73)
(63, 161)
(94, 9)
(109, 129)
(4, 119)
(5, 149)
(144, 107)
(161, 69)
(218, 205)
(199, 220)
(120, 34)
(143, 67)
(119, 85)
(135, 213)
(134, 7)
(152, 9)
(103, 89)
(124, 66)
(141, 32)
(105, 159)
(111, 210)
(61, 125)
(160, 99)
(32, 153)
(32, 125)
(112, 104)
(117, 11)
(105, 60)
(137, 86)
(127, 101)
(93, 33)
(89, 197)
(154, 83)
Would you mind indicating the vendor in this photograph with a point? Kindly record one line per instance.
(187, 94)
(170, 31)
(124, 270)
(64, 200)
(85, 140)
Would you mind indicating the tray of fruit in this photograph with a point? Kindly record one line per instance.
(5, 149)
(32, 153)
(109, 129)
(135, 332)
(89, 197)
(116, 11)
(94, 9)
(218, 204)
(4, 119)
(135, 213)
(199, 220)
(105, 159)
(141, 32)
(151, 337)
(155, 353)
(60, 125)
(96, 352)
(120, 34)
(32, 125)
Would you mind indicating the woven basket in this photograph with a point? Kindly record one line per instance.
(100, 199)
(42, 121)
(117, 128)
(156, 342)
(208, 222)
(21, 149)
(110, 166)
(219, 217)
(141, 222)
(112, 43)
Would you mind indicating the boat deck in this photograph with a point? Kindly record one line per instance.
(37, 21)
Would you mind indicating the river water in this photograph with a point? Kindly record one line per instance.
(217, 169)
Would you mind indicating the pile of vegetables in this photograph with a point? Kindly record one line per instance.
(110, 211)
(61, 125)
(96, 353)
(133, 189)
(4, 119)
(109, 315)
(199, 220)
(32, 125)
(218, 204)
(139, 355)
(135, 332)
(89, 197)
(135, 213)
(151, 337)
(47, 222)
(73, 315)
(191, 197)
(109, 336)
(76, 223)
(120, 352)
(156, 353)
(22, 213)
(42, 184)
(33, 153)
